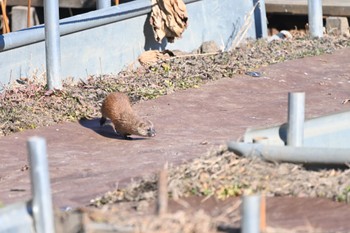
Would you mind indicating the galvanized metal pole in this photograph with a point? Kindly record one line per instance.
(315, 18)
(100, 4)
(42, 201)
(260, 19)
(250, 222)
(291, 154)
(52, 44)
(296, 117)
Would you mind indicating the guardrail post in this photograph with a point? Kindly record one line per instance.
(250, 222)
(52, 44)
(100, 4)
(315, 18)
(260, 19)
(296, 118)
(41, 192)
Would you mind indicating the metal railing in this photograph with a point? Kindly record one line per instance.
(322, 140)
(315, 18)
(35, 215)
(54, 29)
(52, 41)
(52, 44)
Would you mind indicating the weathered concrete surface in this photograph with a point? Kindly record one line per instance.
(337, 26)
(86, 160)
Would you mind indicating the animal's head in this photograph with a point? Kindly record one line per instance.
(146, 129)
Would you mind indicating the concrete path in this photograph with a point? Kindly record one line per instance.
(86, 160)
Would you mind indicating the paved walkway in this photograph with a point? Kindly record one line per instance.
(86, 160)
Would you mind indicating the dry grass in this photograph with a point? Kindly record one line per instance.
(220, 174)
(223, 174)
(27, 105)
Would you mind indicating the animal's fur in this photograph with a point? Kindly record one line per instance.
(126, 122)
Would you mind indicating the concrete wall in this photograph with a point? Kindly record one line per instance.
(111, 47)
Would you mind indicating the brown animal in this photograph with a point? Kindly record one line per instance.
(126, 122)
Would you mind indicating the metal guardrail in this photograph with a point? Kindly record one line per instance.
(322, 140)
(315, 18)
(100, 4)
(52, 41)
(296, 117)
(251, 214)
(35, 215)
(54, 29)
(52, 44)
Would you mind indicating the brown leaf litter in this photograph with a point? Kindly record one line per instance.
(26, 104)
(168, 19)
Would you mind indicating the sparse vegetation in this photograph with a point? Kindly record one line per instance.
(220, 174)
(27, 105)
(223, 174)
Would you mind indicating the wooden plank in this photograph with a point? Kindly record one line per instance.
(62, 3)
(299, 7)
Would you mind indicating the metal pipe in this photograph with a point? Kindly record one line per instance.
(100, 4)
(310, 155)
(315, 18)
(296, 117)
(332, 131)
(79, 23)
(250, 222)
(52, 44)
(260, 19)
(42, 201)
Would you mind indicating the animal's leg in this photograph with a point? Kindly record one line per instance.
(103, 121)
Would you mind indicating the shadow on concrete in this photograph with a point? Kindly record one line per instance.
(226, 229)
(106, 130)
(150, 41)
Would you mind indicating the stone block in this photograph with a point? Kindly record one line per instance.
(19, 17)
(337, 26)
